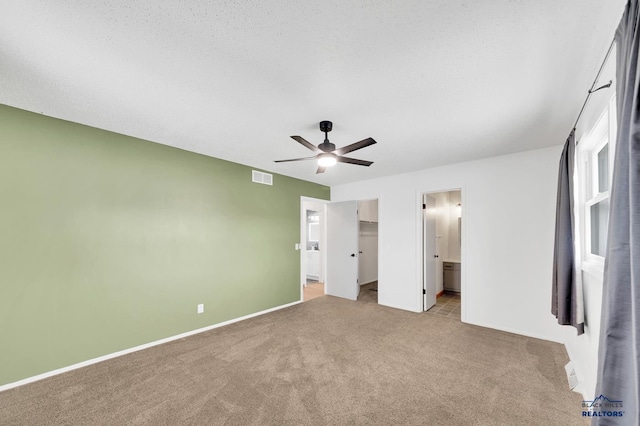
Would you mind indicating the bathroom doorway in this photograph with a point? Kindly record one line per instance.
(442, 253)
(312, 248)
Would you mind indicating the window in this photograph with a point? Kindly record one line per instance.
(596, 150)
(598, 199)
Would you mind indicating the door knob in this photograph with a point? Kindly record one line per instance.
(436, 256)
(353, 255)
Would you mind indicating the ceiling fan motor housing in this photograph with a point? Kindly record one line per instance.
(326, 146)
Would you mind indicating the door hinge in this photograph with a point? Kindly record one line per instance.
(424, 291)
(424, 206)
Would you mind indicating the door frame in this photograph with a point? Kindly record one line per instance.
(304, 201)
(464, 290)
(424, 257)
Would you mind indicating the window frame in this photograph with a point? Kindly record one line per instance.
(603, 133)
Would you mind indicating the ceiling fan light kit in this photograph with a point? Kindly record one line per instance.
(327, 160)
(326, 153)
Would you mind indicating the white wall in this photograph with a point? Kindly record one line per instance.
(507, 237)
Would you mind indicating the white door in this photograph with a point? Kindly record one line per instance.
(429, 251)
(342, 250)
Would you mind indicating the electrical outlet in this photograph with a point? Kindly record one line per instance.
(201, 308)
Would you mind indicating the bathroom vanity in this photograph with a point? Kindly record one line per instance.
(451, 281)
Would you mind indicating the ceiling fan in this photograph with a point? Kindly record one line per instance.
(327, 154)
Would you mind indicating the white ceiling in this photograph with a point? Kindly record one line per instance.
(434, 82)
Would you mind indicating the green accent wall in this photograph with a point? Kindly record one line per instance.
(108, 242)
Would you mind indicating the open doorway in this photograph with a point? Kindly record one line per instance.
(442, 252)
(368, 250)
(312, 248)
(352, 250)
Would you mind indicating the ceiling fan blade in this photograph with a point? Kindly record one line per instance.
(294, 159)
(358, 145)
(306, 143)
(320, 169)
(354, 161)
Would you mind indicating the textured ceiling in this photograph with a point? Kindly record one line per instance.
(434, 82)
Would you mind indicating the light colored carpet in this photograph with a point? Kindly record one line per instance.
(328, 361)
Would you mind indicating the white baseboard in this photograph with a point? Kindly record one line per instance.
(402, 308)
(137, 348)
(520, 332)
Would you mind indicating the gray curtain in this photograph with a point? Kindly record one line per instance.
(566, 298)
(619, 350)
